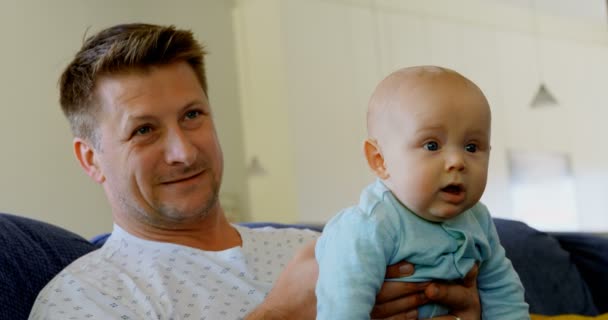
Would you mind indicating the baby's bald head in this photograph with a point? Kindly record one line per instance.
(407, 89)
(429, 140)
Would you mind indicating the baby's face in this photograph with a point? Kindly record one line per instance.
(437, 148)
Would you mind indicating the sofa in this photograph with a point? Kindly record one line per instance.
(563, 273)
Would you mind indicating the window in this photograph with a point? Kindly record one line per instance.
(543, 190)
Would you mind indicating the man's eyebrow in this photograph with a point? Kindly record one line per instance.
(139, 117)
(195, 102)
(146, 117)
(136, 118)
(127, 122)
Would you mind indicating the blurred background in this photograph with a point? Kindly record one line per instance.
(289, 85)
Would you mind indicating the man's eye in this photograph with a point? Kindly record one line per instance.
(471, 147)
(431, 146)
(142, 131)
(192, 114)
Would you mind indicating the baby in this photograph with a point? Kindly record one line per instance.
(429, 146)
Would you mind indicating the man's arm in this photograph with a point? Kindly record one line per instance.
(293, 295)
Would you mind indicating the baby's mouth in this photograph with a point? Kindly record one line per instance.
(453, 189)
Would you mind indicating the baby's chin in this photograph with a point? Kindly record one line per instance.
(441, 215)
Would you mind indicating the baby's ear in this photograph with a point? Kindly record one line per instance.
(375, 159)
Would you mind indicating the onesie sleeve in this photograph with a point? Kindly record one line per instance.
(500, 289)
(352, 253)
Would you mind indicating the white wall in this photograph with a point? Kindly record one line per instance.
(39, 176)
(333, 52)
(306, 69)
(263, 83)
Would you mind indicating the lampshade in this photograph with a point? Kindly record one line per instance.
(543, 98)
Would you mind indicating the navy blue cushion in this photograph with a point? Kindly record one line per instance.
(32, 253)
(100, 239)
(314, 227)
(590, 254)
(552, 280)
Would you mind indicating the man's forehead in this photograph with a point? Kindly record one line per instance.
(120, 88)
(120, 102)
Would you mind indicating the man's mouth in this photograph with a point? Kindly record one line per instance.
(184, 178)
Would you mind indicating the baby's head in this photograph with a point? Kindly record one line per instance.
(429, 140)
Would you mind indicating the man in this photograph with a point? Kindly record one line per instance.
(136, 99)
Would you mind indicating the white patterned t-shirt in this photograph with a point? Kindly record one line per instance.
(132, 278)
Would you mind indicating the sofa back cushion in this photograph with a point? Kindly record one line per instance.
(590, 254)
(32, 253)
(547, 270)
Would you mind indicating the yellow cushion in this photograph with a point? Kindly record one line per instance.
(568, 317)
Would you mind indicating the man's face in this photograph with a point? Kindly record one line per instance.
(438, 148)
(158, 150)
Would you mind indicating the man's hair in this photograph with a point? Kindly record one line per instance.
(116, 50)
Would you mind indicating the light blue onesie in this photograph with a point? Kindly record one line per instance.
(361, 241)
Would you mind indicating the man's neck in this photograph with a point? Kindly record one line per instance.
(210, 233)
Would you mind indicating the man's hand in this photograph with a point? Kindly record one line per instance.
(293, 295)
(400, 300)
(462, 300)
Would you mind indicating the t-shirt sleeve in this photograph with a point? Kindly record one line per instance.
(69, 297)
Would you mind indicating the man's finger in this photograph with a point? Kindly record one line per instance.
(398, 270)
(450, 295)
(446, 317)
(471, 278)
(403, 308)
(392, 290)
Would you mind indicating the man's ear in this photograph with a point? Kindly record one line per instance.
(375, 159)
(87, 158)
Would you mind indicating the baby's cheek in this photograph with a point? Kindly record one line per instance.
(420, 196)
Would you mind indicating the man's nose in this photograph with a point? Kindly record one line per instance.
(179, 148)
(455, 161)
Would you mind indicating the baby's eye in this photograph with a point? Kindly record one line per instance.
(431, 146)
(471, 147)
